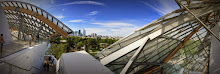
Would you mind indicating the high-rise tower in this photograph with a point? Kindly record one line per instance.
(84, 32)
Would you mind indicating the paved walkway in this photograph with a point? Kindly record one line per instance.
(13, 47)
(31, 59)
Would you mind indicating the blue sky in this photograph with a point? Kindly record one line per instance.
(106, 17)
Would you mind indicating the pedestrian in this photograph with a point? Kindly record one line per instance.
(30, 39)
(45, 64)
(1, 41)
(38, 38)
(49, 58)
(48, 66)
(52, 62)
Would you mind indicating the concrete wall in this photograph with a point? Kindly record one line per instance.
(4, 27)
(214, 67)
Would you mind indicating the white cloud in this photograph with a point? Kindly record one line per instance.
(59, 16)
(115, 24)
(84, 2)
(75, 21)
(95, 30)
(163, 6)
(122, 31)
(93, 13)
(112, 29)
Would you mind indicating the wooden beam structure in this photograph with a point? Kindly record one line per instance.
(206, 66)
(42, 18)
(154, 68)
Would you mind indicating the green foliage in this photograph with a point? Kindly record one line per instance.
(76, 43)
(55, 40)
(94, 50)
(93, 54)
(58, 49)
(80, 44)
(191, 47)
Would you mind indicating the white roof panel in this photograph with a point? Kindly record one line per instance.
(81, 62)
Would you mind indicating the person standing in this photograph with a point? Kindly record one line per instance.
(38, 38)
(49, 60)
(52, 62)
(1, 41)
(45, 68)
(30, 38)
(48, 66)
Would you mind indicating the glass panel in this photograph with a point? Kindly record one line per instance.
(6, 3)
(14, 4)
(2, 4)
(44, 14)
(10, 3)
(55, 22)
(24, 5)
(34, 9)
(19, 4)
(29, 7)
(39, 11)
(49, 17)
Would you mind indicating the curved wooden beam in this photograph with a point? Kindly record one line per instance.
(40, 17)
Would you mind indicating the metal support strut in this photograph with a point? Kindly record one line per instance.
(199, 21)
(133, 59)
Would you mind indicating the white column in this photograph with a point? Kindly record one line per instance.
(4, 27)
(214, 67)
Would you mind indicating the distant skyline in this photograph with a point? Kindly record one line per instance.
(106, 17)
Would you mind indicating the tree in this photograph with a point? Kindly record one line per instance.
(70, 41)
(76, 43)
(58, 49)
(55, 40)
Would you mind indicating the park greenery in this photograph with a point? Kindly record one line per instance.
(72, 44)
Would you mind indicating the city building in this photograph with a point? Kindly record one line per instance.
(93, 34)
(79, 33)
(84, 32)
(76, 33)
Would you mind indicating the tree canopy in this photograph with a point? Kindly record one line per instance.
(77, 44)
